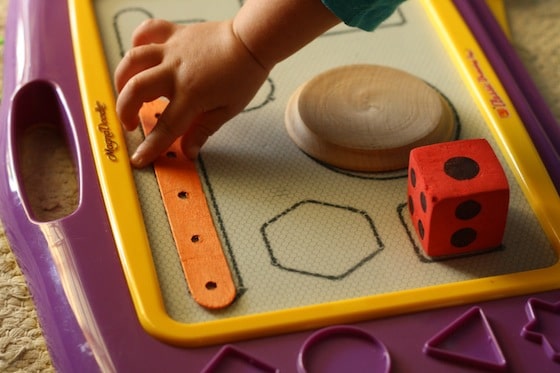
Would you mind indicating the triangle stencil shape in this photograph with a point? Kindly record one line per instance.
(468, 340)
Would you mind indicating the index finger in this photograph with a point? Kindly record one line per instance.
(152, 31)
(172, 123)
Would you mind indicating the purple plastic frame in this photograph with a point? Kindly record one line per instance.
(540, 123)
(96, 329)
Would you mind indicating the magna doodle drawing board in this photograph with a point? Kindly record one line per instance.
(324, 266)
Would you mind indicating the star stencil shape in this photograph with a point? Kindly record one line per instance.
(544, 326)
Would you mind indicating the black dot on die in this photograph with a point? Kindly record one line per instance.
(421, 231)
(467, 210)
(423, 202)
(463, 237)
(461, 168)
(410, 205)
(413, 177)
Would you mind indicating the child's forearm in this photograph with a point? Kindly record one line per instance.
(273, 30)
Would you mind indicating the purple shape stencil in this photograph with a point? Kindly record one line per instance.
(231, 359)
(469, 340)
(343, 348)
(544, 326)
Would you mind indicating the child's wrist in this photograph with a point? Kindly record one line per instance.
(241, 39)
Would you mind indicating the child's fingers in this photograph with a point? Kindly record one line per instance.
(145, 86)
(201, 129)
(171, 124)
(136, 60)
(152, 31)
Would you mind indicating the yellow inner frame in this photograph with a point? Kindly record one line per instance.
(124, 213)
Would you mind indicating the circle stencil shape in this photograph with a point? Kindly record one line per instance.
(367, 117)
(343, 349)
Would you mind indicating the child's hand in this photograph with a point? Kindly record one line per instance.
(209, 71)
(204, 70)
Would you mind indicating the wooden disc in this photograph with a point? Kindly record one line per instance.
(367, 117)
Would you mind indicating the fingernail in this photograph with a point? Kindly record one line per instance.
(136, 160)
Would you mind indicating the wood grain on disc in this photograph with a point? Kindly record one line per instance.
(367, 117)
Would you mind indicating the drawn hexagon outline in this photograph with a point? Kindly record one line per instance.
(361, 256)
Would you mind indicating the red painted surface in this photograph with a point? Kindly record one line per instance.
(458, 197)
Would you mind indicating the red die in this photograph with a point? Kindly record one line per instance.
(458, 197)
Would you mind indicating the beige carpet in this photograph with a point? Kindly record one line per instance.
(536, 35)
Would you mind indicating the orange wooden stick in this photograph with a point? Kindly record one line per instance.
(204, 264)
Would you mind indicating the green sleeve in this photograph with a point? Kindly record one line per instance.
(364, 14)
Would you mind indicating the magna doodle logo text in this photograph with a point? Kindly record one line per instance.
(111, 146)
(495, 100)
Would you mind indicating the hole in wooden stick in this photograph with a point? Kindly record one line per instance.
(211, 285)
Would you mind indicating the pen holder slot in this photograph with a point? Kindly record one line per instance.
(45, 156)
